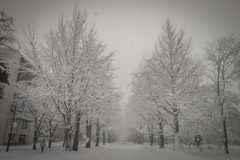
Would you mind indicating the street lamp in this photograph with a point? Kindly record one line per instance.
(14, 124)
(10, 134)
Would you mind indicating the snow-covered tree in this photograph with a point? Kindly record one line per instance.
(202, 117)
(222, 54)
(33, 107)
(7, 40)
(70, 67)
(176, 72)
(167, 80)
(142, 103)
(4, 73)
(52, 121)
(107, 117)
(136, 123)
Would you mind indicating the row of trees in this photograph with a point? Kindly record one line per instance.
(174, 89)
(71, 80)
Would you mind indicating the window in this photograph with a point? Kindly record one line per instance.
(57, 130)
(56, 138)
(24, 124)
(22, 139)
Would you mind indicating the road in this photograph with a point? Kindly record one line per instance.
(115, 151)
(129, 151)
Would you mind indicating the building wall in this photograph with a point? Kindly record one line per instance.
(59, 135)
(5, 103)
(19, 131)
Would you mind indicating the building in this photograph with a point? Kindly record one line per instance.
(58, 134)
(23, 130)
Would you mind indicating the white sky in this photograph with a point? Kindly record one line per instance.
(130, 28)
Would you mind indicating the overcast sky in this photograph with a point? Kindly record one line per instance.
(130, 28)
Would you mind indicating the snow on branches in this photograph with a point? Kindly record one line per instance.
(70, 67)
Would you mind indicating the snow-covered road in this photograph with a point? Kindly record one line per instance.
(115, 151)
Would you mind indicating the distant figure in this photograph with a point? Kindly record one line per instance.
(43, 144)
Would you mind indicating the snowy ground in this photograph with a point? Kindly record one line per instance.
(116, 151)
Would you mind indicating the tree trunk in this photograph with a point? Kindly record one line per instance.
(225, 136)
(177, 144)
(139, 139)
(50, 143)
(35, 140)
(109, 137)
(97, 141)
(88, 133)
(76, 136)
(50, 137)
(161, 136)
(69, 142)
(176, 123)
(97, 134)
(103, 137)
(151, 139)
(51, 133)
(68, 136)
(64, 139)
(150, 132)
(161, 141)
(93, 138)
